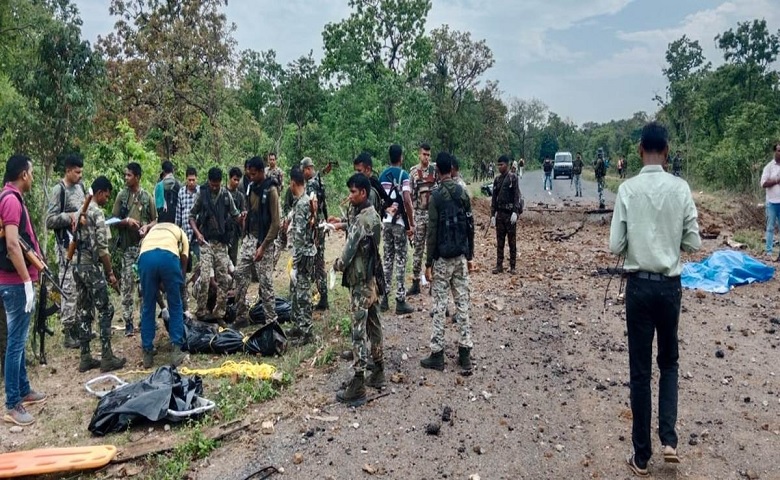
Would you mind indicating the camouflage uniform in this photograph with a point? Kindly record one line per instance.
(357, 262)
(239, 200)
(449, 273)
(304, 251)
(276, 174)
(262, 212)
(394, 257)
(423, 181)
(91, 280)
(213, 255)
(58, 217)
(313, 186)
(505, 202)
(138, 206)
(601, 173)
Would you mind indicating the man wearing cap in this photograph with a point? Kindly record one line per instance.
(504, 210)
(314, 186)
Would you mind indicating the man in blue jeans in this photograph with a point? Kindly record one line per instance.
(16, 287)
(162, 261)
(770, 181)
(660, 210)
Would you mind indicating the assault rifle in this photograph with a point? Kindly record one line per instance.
(82, 220)
(42, 311)
(400, 210)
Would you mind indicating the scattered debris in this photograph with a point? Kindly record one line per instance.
(433, 428)
(298, 458)
(267, 427)
(369, 469)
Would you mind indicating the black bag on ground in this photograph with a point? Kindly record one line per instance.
(268, 340)
(283, 311)
(199, 338)
(146, 400)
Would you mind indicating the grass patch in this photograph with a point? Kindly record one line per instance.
(174, 465)
(754, 239)
(233, 398)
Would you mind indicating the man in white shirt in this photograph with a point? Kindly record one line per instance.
(770, 181)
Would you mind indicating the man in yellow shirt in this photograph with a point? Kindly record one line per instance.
(654, 219)
(162, 261)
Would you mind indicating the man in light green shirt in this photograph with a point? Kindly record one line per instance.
(654, 219)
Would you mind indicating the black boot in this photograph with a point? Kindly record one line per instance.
(377, 377)
(415, 290)
(434, 361)
(355, 393)
(88, 363)
(323, 303)
(108, 362)
(71, 337)
(383, 305)
(498, 269)
(402, 308)
(464, 360)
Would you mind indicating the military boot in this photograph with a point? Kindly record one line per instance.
(383, 305)
(434, 361)
(355, 393)
(88, 363)
(498, 269)
(415, 289)
(464, 360)
(71, 337)
(108, 362)
(148, 358)
(377, 377)
(402, 308)
(323, 303)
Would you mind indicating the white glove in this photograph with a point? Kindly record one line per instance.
(493, 221)
(29, 297)
(325, 226)
(513, 218)
(165, 314)
(294, 276)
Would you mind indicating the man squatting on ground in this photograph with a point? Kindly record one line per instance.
(661, 214)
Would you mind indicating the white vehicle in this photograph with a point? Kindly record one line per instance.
(562, 165)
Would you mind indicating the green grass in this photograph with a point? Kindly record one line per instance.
(753, 239)
(175, 465)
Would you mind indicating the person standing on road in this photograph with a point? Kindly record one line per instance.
(395, 181)
(65, 201)
(163, 261)
(547, 166)
(600, 169)
(423, 179)
(520, 167)
(654, 218)
(93, 274)
(16, 288)
(770, 182)
(576, 171)
(504, 210)
(363, 275)
(448, 262)
(136, 208)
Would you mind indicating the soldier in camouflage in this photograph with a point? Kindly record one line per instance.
(65, 201)
(600, 169)
(92, 273)
(239, 199)
(315, 187)
(448, 262)
(363, 275)
(423, 179)
(272, 170)
(505, 208)
(257, 250)
(136, 208)
(209, 219)
(303, 236)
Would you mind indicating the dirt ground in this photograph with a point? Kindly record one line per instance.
(549, 396)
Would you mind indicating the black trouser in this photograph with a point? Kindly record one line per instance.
(652, 305)
(505, 229)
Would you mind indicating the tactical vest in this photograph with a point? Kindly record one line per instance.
(212, 220)
(259, 221)
(452, 232)
(506, 192)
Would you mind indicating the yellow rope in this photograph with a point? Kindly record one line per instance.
(244, 368)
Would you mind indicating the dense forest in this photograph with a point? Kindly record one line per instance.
(169, 83)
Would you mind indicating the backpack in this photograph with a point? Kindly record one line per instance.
(452, 232)
(601, 169)
(5, 263)
(167, 213)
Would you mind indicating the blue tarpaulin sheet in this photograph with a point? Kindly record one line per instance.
(723, 270)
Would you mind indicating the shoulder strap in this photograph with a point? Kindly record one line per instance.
(62, 196)
(23, 216)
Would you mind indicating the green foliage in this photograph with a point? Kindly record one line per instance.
(174, 466)
(110, 158)
(345, 327)
(232, 399)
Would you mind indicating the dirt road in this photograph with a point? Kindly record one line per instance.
(532, 186)
(549, 397)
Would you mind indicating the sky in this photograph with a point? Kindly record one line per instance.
(587, 60)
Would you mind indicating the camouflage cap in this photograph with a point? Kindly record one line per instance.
(307, 162)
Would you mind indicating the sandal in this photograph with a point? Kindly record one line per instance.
(670, 454)
(639, 472)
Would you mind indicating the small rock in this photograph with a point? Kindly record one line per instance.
(693, 441)
(398, 377)
(16, 429)
(267, 427)
(474, 476)
(433, 428)
(479, 450)
(298, 458)
(751, 475)
(404, 357)
(719, 353)
(486, 395)
(746, 399)
(559, 447)
(167, 427)
(281, 470)
(356, 425)
(688, 375)
(369, 469)
(446, 414)
(347, 355)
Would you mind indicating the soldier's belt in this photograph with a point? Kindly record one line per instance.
(507, 206)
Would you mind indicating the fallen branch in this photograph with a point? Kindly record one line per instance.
(561, 236)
